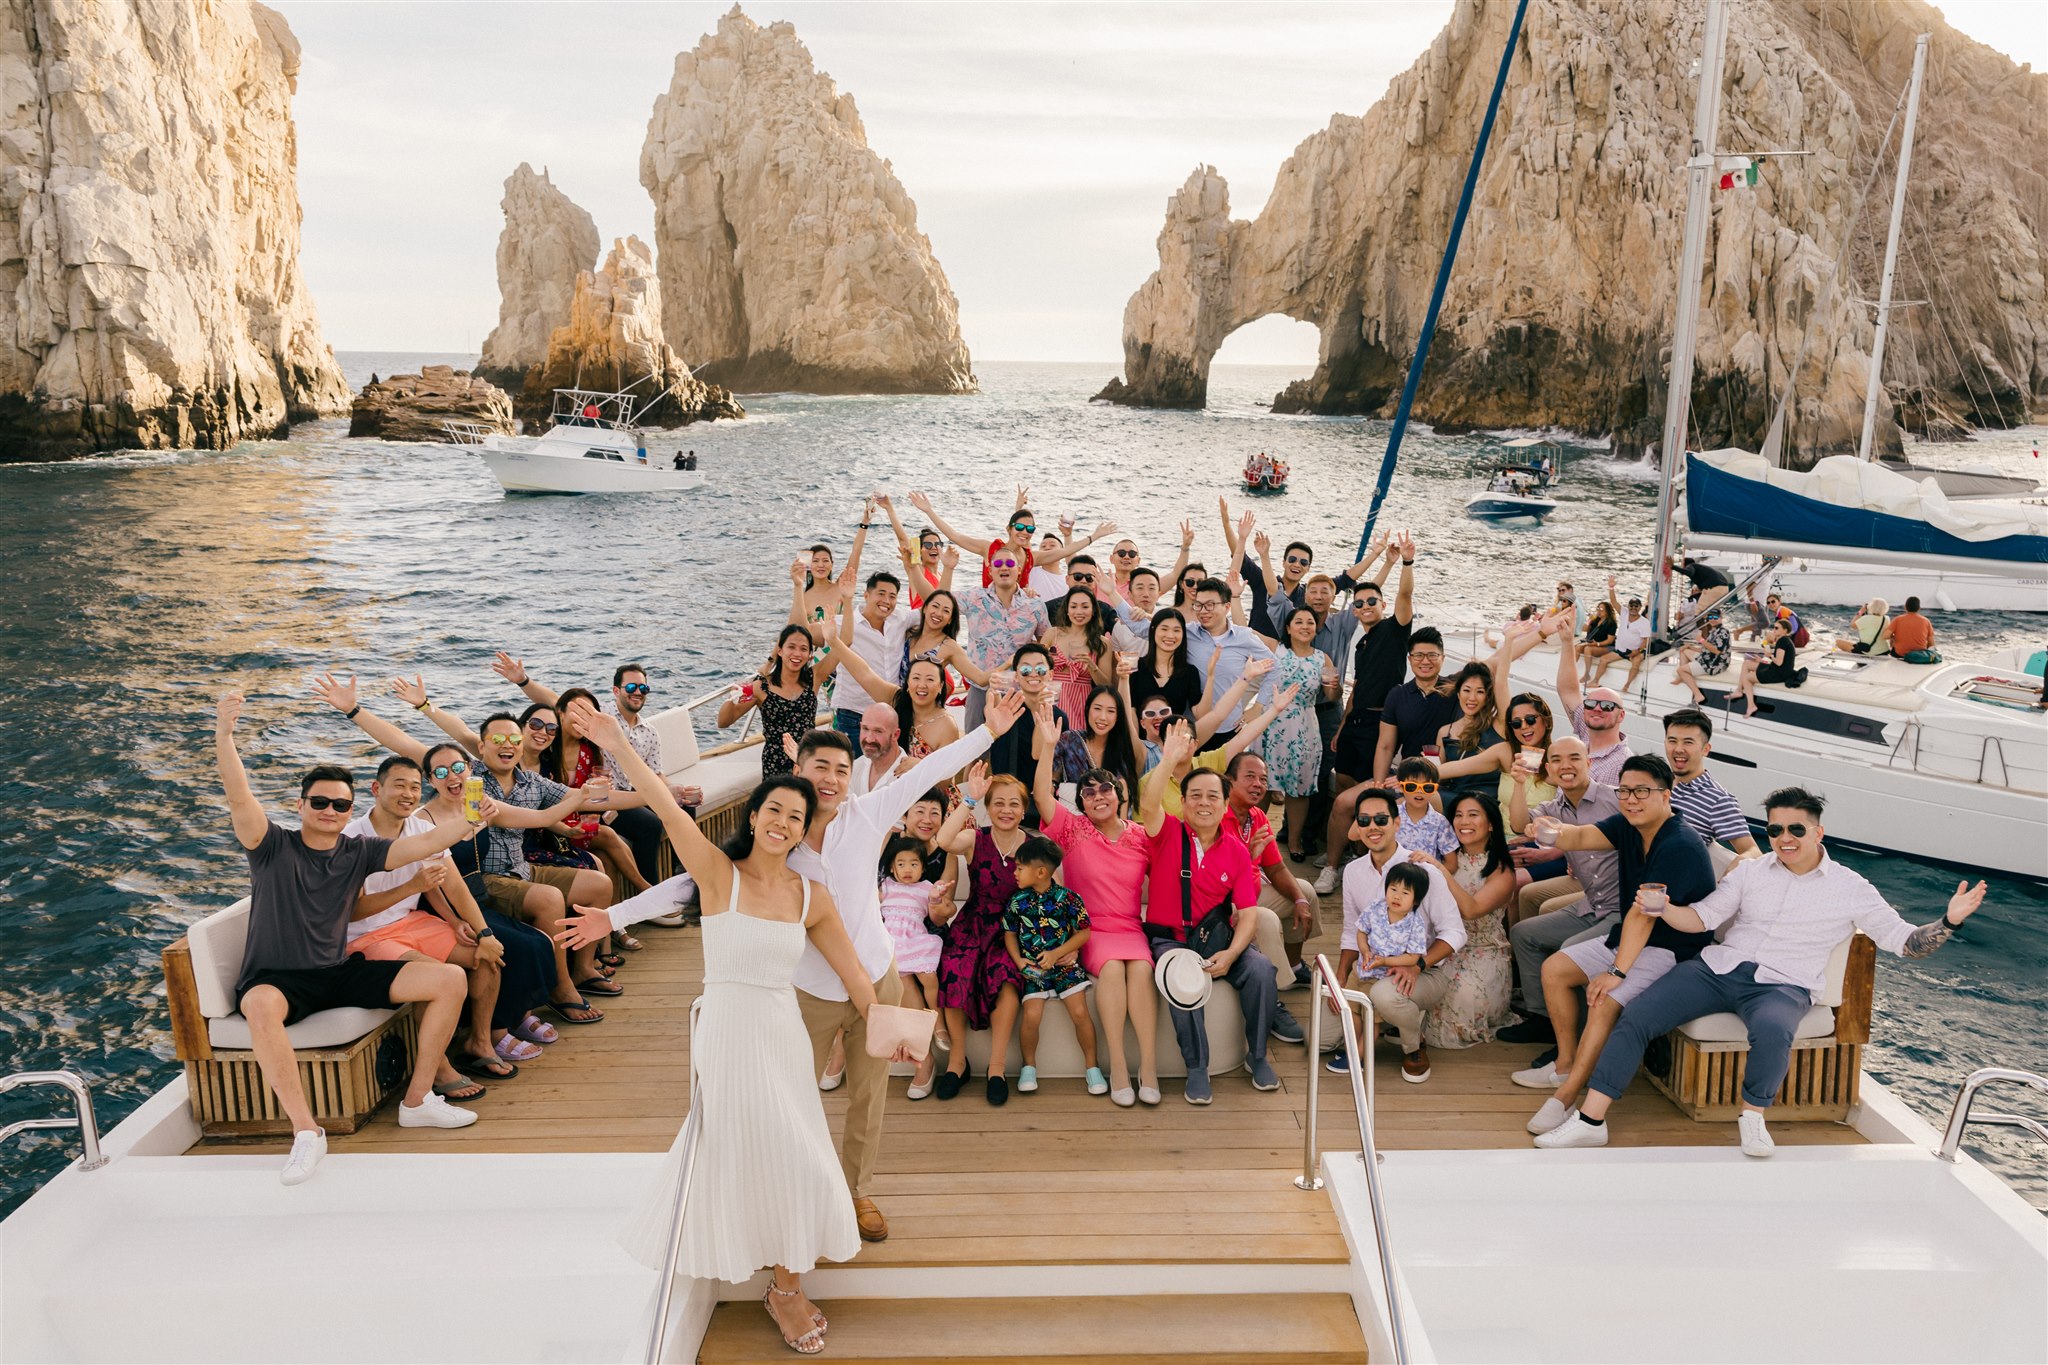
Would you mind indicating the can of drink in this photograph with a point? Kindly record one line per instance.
(472, 800)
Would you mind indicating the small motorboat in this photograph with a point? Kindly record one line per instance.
(1520, 487)
(1264, 474)
(591, 446)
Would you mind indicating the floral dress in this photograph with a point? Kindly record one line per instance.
(780, 715)
(1293, 744)
(975, 965)
(1476, 1001)
(551, 848)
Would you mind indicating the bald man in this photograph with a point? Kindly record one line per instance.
(882, 759)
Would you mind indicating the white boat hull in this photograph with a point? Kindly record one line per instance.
(528, 471)
(1829, 583)
(1499, 507)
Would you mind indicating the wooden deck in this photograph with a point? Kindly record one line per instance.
(1054, 1177)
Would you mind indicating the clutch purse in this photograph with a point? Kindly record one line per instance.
(892, 1026)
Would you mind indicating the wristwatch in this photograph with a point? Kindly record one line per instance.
(487, 932)
(1617, 973)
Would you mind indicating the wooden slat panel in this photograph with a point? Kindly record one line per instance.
(1859, 987)
(181, 993)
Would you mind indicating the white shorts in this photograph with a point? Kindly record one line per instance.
(1594, 958)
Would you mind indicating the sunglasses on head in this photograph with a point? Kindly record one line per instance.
(1381, 819)
(637, 689)
(1596, 704)
(545, 727)
(502, 738)
(1412, 788)
(1033, 670)
(1796, 829)
(443, 771)
(340, 803)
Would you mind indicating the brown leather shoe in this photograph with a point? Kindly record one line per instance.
(873, 1227)
(1415, 1065)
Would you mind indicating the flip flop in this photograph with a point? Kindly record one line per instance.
(561, 1012)
(612, 960)
(534, 1029)
(599, 985)
(497, 1069)
(461, 1093)
(515, 1049)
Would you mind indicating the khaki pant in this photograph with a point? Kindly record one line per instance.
(507, 895)
(1404, 1012)
(1540, 898)
(1282, 905)
(867, 1078)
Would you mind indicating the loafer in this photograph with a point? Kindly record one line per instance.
(1284, 1026)
(1149, 1094)
(998, 1091)
(1532, 1029)
(1197, 1090)
(1124, 1098)
(949, 1084)
(1098, 1084)
(1264, 1077)
(1027, 1080)
(873, 1227)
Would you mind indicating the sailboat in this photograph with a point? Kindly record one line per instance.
(1814, 571)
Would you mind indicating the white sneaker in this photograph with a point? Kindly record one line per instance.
(1327, 882)
(433, 1112)
(1756, 1139)
(1549, 1116)
(307, 1149)
(1573, 1132)
(1538, 1078)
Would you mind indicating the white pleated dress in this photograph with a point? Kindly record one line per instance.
(767, 1189)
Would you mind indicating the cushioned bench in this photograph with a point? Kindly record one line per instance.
(1059, 1051)
(1703, 1075)
(349, 1059)
(726, 773)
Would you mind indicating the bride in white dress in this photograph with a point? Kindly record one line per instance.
(768, 1189)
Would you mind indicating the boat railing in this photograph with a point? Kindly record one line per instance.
(747, 725)
(1990, 747)
(1328, 987)
(657, 1332)
(84, 1119)
(1960, 1117)
(468, 435)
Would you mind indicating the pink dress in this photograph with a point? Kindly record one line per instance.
(904, 906)
(1075, 679)
(1110, 880)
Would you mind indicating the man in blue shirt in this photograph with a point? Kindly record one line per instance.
(1221, 649)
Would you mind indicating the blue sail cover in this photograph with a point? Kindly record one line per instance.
(1720, 503)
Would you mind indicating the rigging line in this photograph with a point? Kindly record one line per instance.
(1943, 331)
(1954, 309)
(1443, 279)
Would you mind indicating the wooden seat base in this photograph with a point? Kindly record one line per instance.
(1705, 1079)
(344, 1086)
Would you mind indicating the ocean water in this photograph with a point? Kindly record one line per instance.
(139, 585)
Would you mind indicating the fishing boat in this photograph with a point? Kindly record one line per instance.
(1519, 489)
(591, 446)
(1264, 474)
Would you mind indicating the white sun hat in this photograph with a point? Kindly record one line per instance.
(1181, 978)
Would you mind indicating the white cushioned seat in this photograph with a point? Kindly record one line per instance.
(328, 1028)
(1728, 1028)
(217, 944)
(678, 741)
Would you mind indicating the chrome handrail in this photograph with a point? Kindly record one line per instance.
(657, 1335)
(1325, 980)
(747, 723)
(85, 1120)
(1959, 1116)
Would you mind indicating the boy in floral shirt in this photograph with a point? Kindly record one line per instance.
(1044, 926)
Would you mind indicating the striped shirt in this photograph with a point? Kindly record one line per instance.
(1709, 809)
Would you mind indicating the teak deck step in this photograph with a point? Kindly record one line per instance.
(1213, 1329)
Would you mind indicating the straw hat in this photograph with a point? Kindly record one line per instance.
(1181, 978)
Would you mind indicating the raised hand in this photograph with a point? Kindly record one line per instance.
(412, 693)
(1002, 712)
(789, 747)
(949, 558)
(1263, 543)
(1262, 839)
(921, 502)
(1103, 530)
(1406, 544)
(1244, 525)
(1187, 535)
(975, 784)
(799, 567)
(587, 926)
(1258, 668)
(330, 689)
(882, 501)
(510, 669)
(1286, 695)
(1178, 745)
(597, 727)
(228, 711)
(1964, 903)
(942, 894)
(1126, 665)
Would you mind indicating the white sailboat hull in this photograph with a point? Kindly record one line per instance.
(1831, 583)
(537, 471)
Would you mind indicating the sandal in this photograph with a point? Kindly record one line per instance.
(460, 1092)
(811, 1342)
(600, 985)
(514, 1049)
(626, 942)
(611, 960)
(562, 1012)
(496, 1068)
(534, 1029)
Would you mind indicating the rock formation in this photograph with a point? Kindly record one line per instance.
(789, 252)
(613, 340)
(412, 407)
(547, 242)
(1559, 309)
(150, 293)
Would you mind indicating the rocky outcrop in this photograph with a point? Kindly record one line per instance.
(412, 407)
(790, 255)
(1559, 309)
(150, 293)
(613, 340)
(547, 243)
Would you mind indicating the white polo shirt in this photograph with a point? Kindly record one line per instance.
(1365, 883)
(361, 828)
(881, 650)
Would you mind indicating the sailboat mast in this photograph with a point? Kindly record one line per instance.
(1698, 213)
(1891, 250)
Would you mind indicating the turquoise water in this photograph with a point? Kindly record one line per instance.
(142, 584)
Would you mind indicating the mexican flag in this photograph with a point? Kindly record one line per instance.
(1739, 170)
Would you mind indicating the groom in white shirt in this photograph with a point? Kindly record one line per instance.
(844, 850)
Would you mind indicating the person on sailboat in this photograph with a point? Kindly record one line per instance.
(1909, 636)
(1868, 625)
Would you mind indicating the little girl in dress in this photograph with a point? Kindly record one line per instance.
(907, 899)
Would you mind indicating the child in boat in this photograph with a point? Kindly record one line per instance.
(1044, 927)
(908, 898)
(1390, 932)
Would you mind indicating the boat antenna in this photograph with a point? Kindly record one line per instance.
(1443, 279)
(1698, 211)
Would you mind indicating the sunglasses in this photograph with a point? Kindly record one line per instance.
(1126, 554)
(1034, 670)
(1366, 602)
(932, 544)
(1084, 578)
(502, 738)
(340, 803)
(442, 771)
(543, 727)
(1027, 527)
(1796, 829)
(1637, 793)
(1412, 788)
(1089, 789)
(1520, 721)
(1373, 820)
(1002, 563)
(1603, 706)
(1154, 716)
(1296, 561)
(637, 689)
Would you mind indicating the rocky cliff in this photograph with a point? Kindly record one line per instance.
(789, 252)
(547, 242)
(612, 339)
(412, 407)
(1559, 310)
(150, 293)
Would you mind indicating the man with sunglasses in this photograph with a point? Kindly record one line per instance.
(303, 888)
(1404, 993)
(1706, 805)
(1595, 713)
(1017, 540)
(1560, 911)
(1781, 917)
(998, 620)
(1221, 649)
(1652, 847)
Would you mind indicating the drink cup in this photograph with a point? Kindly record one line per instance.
(1547, 829)
(1651, 898)
(1432, 752)
(472, 800)
(1532, 760)
(1002, 681)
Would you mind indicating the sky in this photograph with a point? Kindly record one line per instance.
(1040, 141)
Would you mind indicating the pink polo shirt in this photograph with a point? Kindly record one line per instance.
(1222, 872)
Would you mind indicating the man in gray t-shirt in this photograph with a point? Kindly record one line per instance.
(303, 884)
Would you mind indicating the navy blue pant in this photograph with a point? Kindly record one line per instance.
(847, 723)
(1257, 990)
(528, 974)
(1691, 989)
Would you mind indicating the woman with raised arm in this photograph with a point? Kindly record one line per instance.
(935, 636)
(785, 688)
(1081, 653)
(767, 1189)
(920, 701)
(979, 986)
